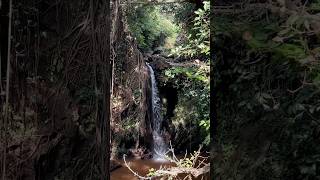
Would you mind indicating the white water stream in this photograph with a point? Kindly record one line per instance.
(159, 145)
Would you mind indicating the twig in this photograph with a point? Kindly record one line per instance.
(303, 83)
(135, 174)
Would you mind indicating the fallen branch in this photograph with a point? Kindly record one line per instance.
(183, 166)
(175, 171)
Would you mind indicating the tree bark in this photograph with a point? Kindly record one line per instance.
(5, 124)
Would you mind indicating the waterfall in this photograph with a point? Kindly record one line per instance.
(159, 145)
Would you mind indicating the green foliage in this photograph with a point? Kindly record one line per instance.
(183, 11)
(268, 96)
(198, 42)
(315, 5)
(195, 74)
(193, 105)
(152, 172)
(150, 26)
(154, 26)
(188, 162)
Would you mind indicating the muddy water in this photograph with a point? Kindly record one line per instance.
(142, 168)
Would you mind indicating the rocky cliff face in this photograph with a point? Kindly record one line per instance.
(130, 124)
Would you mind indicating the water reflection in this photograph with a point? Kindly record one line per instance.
(142, 168)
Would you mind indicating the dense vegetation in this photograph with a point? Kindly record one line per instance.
(152, 27)
(164, 27)
(174, 39)
(267, 82)
(193, 82)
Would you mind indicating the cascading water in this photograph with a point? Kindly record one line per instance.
(159, 145)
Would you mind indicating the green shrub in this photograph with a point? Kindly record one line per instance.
(194, 87)
(198, 40)
(150, 26)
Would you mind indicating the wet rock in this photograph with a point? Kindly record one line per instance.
(159, 63)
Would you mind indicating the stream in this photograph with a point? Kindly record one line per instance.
(142, 166)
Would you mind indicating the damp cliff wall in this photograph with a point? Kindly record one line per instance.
(130, 125)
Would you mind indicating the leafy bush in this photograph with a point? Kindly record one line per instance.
(198, 41)
(267, 96)
(150, 26)
(193, 84)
